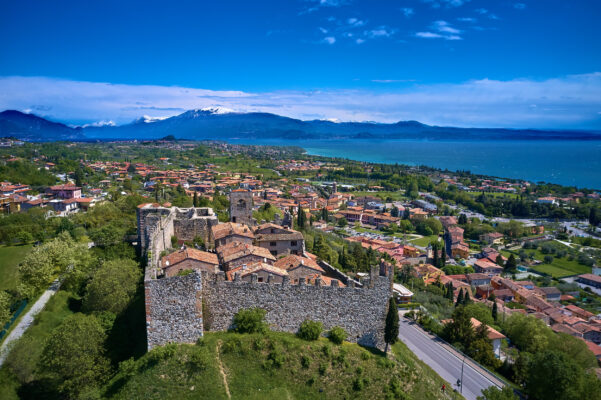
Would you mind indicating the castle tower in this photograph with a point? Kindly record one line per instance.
(335, 187)
(241, 206)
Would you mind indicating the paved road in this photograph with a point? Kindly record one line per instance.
(27, 320)
(446, 363)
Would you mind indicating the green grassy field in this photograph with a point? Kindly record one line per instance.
(424, 241)
(395, 196)
(494, 194)
(10, 257)
(560, 267)
(276, 366)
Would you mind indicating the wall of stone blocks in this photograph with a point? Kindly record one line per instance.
(360, 311)
(173, 309)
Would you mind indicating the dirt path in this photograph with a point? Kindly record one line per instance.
(222, 371)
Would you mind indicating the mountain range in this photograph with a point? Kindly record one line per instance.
(218, 124)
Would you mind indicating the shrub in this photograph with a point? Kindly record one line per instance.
(251, 320)
(337, 335)
(305, 362)
(310, 330)
(548, 259)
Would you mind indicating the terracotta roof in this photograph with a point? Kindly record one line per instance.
(267, 237)
(235, 250)
(231, 228)
(188, 253)
(253, 268)
(293, 261)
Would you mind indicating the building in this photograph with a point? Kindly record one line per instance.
(299, 267)
(235, 254)
(231, 232)
(491, 238)
(485, 266)
(262, 272)
(66, 191)
(279, 240)
(402, 294)
(241, 206)
(189, 259)
(590, 280)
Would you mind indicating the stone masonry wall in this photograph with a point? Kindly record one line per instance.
(360, 311)
(173, 309)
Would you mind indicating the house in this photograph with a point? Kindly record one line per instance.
(231, 232)
(590, 280)
(579, 312)
(477, 279)
(299, 267)
(494, 336)
(263, 271)
(234, 254)
(189, 259)
(66, 191)
(589, 332)
(549, 293)
(402, 294)
(594, 348)
(491, 238)
(485, 266)
(279, 240)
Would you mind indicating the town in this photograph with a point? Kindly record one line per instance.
(224, 228)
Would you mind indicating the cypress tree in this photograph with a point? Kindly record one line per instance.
(466, 297)
(459, 298)
(443, 258)
(450, 291)
(495, 311)
(391, 330)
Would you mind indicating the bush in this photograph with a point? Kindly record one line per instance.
(337, 335)
(310, 330)
(251, 320)
(548, 259)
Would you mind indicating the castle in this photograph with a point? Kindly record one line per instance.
(180, 307)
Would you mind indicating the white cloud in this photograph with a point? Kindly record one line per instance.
(360, 41)
(482, 11)
(317, 4)
(381, 31)
(466, 19)
(407, 12)
(329, 40)
(392, 80)
(443, 29)
(354, 22)
(447, 3)
(323, 30)
(565, 102)
(519, 6)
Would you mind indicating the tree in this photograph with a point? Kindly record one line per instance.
(466, 297)
(337, 335)
(5, 303)
(391, 329)
(74, 354)
(301, 220)
(566, 382)
(450, 291)
(325, 215)
(593, 218)
(529, 334)
(494, 393)
(511, 264)
(310, 330)
(251, 320)
(342, 222)
(495, 310)
(499, 260)
(462, 219)
(394, 212)
(459, 298)
(548, 259)
(112, 287)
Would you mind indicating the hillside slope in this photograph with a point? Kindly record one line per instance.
(275, 366)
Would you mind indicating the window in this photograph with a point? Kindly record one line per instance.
(260, 279)
(272, 244)
(293, 243)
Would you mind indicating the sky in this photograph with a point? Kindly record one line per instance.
(480, 63)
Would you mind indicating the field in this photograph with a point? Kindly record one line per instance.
(395, 196)
(10, 257)
(424, 241)
(494, 194)
(560, 267)
(276, 366)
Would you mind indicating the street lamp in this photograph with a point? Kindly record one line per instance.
(460, 381)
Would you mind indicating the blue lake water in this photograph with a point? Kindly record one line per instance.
(573, 163)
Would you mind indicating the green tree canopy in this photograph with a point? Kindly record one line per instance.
(112, 286)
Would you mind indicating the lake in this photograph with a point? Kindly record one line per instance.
(572, 163)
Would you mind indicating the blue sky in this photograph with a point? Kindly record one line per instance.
(524, 63)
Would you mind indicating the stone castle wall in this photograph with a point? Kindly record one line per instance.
(360, 311)
(173, 309)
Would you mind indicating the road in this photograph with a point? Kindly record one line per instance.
(444, 361)
(27, 320)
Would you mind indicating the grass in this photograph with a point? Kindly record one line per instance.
(276, 366)
(23, 359)
(10, 257)
(494, 194)
(395, 196)
(560, 267)
(424, 241)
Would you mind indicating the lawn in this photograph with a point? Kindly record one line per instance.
(395, 196)
(495, 194)
(560, 267)
(424, 241)
(10, 257)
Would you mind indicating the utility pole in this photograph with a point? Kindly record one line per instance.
(461, 380)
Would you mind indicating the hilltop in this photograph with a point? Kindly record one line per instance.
(274, 366)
